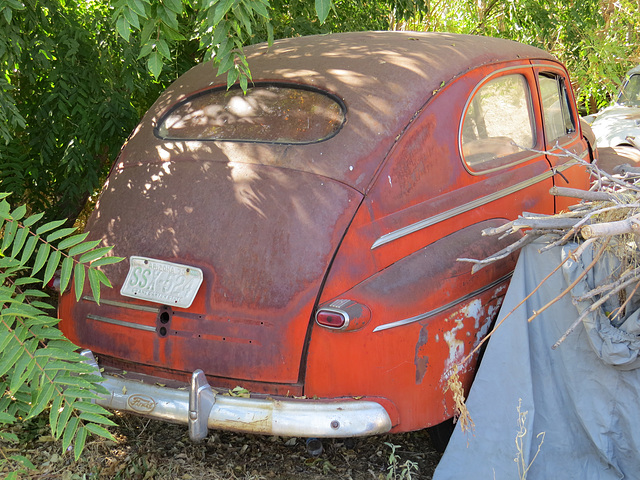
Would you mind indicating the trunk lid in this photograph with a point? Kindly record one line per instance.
(264, 238)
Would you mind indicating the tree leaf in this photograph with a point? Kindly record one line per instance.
(52, 266)
(10, 231)
(69, 433)
(19, 212)
(100, 431)
(41, 258)
(81, 438)
(95, 254)
(54, 415)
(47, 227)
(29, 249)
(33, 219)
(106, 261)
(83, 247)
(92, 417)
(123, 28)
(72, 241)
(65, 273)
(322, 9)
(94, 283)
(78, 280)
(154, 64)
(43, 398)
(19, 241)
(60, 233)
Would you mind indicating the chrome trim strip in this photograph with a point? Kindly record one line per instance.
(142, 308)
(441, 309)
(270, 416)
(427, 222)
(121, 323)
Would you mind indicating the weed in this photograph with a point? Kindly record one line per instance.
(397, 470)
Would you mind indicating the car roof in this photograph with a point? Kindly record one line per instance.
(634, 71)
(384, 79)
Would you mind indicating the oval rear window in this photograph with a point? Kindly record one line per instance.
(266, 113)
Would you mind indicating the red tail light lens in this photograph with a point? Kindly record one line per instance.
(331, 319)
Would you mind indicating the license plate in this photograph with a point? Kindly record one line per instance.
(162, 282)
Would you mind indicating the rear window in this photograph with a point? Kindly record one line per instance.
(266, 113)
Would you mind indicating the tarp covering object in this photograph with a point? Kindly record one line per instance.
(579, 403)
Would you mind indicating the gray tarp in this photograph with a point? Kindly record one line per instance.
(584, 396)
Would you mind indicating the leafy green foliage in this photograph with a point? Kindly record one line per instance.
(598, 41)
(39, 368)
(71, 91)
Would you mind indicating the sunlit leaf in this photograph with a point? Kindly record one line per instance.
(47, 227)
(60, 234)
(94, 254)
(72, 241)
(154, 64)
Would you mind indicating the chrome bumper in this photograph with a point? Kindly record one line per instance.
(202, 408)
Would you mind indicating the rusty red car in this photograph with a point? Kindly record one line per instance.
(300, 240)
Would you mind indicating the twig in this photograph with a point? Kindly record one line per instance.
(583, 194)
(574, 283)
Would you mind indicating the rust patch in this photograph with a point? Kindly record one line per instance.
(421, 359)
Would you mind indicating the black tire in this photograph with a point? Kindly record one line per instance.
(440, 434)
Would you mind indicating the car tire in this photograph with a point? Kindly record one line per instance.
(440, 434)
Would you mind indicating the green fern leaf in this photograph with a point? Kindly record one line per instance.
(47, 227)
(100, 431)
(84, 247)
(64, 232)
(69, 433)
(78, 280)
(19, 241)
(81, 438)
(41, 258)
(29, 249)
(52, 266)
(65, 273)
(72, 241)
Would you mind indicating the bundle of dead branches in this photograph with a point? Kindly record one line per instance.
(606, 219)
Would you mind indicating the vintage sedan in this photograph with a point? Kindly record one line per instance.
(619, 124)
(300, 240)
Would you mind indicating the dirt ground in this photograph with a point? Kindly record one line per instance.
(148, 449)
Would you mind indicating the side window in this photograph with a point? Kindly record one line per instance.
(498, 122)
(630, 94)
(558, 120)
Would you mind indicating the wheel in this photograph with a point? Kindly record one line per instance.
(440, 434)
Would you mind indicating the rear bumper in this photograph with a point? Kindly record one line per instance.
(202, 408)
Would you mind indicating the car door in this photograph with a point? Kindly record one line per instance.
(564, 144)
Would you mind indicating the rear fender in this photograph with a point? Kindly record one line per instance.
(428, 312)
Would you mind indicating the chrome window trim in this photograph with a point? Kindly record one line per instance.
(480, 84)
(431, 313)
(440, 217)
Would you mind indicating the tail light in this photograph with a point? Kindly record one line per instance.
(343, 314)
